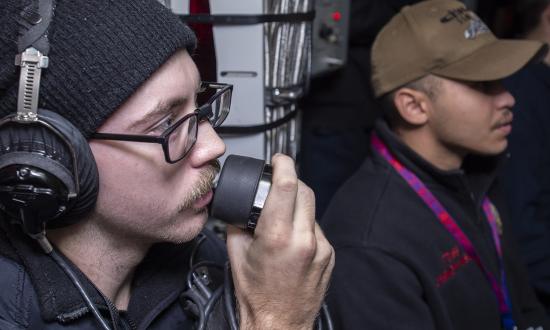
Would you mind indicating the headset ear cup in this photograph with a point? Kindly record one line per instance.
(53, 151)
(88, 176)
(36, 179)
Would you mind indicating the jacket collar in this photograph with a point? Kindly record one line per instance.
(475, 176)
(156, 284)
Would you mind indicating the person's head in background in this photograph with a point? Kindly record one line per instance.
(437, 69)
(533, 21)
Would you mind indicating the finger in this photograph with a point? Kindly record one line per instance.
(304, 209)
(277, 215)
(325, 257)
(238, 242)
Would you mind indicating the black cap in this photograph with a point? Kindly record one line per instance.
(101, 51)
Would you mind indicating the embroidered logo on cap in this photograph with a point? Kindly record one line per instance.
(476, 28)
(463, 15)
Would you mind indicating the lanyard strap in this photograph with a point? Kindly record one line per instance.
(499, 289)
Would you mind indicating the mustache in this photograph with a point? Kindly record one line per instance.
(204, 185)
(506, 119)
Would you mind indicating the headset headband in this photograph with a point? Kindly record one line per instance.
(33, 46)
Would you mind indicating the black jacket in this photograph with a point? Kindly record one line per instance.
(36, 294)
(397, 267)
(527, 173)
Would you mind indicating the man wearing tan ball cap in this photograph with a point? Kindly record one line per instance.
(420, 231)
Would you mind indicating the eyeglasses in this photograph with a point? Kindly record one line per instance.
(179, 138)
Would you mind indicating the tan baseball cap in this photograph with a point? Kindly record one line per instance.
(444, 38)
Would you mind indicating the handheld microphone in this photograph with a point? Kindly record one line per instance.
(239, 198)
(241, 191)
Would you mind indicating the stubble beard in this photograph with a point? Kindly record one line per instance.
(203, 186)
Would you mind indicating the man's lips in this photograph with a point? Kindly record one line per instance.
(203, 200)
(505, 127)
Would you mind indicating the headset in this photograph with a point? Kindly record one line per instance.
(48, 175)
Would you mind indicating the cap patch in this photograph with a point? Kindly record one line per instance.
(463, 15)
(476, 28)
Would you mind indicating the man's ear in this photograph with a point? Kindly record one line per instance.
(413, 105)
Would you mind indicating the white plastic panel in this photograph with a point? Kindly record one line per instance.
(179, 6)
(239, 54)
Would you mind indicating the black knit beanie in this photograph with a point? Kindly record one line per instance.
(101, 51)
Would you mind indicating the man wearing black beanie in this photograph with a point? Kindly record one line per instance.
(120, 84)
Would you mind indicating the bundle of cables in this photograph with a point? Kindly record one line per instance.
(214, 306)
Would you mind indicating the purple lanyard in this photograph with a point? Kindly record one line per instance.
(499, 289)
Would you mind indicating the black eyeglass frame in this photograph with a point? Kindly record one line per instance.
(203, 112)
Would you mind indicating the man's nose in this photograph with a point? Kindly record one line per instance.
(209, 145)
(505, 99)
